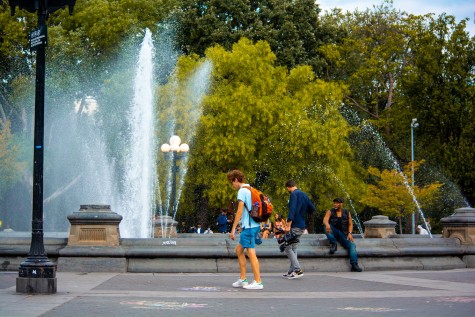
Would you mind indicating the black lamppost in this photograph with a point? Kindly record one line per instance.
(177, 150)
(37, 274)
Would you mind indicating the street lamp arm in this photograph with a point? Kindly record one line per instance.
(33, 6)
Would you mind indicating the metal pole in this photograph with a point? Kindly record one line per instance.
(171, 210)
(412, 167)
(37, 264)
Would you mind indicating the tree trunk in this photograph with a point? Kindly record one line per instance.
(400, 225)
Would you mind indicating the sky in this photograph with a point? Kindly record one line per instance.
(459, 8)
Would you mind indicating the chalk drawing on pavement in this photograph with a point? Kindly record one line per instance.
(456, 299)
(371, 309)
(201, 288)
(143, 304)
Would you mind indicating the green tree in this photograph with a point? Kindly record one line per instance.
(291, 28)
(371, 58)
(399, 66)
(80, 47)
(391, 193)
(10, 167)
(439, 91)
(273, 125)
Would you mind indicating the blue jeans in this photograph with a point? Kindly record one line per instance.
(338, 235)
(291, 252)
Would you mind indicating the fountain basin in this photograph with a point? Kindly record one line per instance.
(214, 253)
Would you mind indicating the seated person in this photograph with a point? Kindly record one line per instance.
(338, 226)
(266, 228)
(279, 226)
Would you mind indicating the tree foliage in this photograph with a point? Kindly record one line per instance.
(280, 73)
(439, 91)
(291, 28)
(271, 123)
(81, 48)
(393, 194)
(10, 166)
(399, 66)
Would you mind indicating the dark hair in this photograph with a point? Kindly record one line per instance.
(235, 174)
(290, 183)
(338, 200)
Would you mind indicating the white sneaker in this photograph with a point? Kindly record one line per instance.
(286, 275)
(254, 285)
(241, 283)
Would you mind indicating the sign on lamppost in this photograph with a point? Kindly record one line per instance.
(38, 38)
(37, 274)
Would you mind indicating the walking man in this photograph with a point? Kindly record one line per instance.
(299, 206)
(338, 226)
(249, 232)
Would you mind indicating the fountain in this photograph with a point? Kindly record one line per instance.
(105, 153)
(383, 154)
(136, 206)
(82, 169)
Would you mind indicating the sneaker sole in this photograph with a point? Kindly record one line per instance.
(241, 286)
(254, 288)
(294, 277)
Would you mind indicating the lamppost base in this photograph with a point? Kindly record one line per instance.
(32, 285)
(37, 275)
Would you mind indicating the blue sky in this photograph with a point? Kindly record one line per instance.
(459, 8)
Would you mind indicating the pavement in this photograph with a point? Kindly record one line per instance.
(384, 293)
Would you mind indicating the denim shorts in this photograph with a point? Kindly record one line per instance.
(247, 238)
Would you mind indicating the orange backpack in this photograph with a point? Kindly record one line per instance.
(261, 208)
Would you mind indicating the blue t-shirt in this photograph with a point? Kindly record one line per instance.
(244, 195)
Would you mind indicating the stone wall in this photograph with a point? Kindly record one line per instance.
(215, 253)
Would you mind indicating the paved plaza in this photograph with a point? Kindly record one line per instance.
(389, 293)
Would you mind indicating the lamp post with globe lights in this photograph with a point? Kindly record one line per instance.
(177, 151)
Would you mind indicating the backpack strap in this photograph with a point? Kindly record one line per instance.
(248, 210)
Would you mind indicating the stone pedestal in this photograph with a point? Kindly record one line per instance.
(460, 225)
(164, 226)
(94, 225)
(379, 227)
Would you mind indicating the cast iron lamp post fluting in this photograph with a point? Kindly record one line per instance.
(37, 274)
(177, 150)
(414, 125)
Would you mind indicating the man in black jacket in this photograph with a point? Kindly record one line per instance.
(338, 226)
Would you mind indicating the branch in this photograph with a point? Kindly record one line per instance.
(361, 107)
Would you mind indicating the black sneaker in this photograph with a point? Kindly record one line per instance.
(299, 272)
(333, 248)
(286, 275)
(294, 275)
(355, 267)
